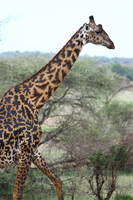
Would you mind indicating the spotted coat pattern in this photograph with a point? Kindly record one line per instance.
(20, 131)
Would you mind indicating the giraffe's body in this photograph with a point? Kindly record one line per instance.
(20, 132)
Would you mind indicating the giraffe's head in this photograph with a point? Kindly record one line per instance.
(96, 35)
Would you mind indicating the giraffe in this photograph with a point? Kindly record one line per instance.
(20, 131)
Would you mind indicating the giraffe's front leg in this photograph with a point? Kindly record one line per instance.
(23, 168)
(40, 162)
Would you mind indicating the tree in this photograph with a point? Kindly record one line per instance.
(104, 167)
(122, 70)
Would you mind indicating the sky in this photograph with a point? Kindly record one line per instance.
(46, 25)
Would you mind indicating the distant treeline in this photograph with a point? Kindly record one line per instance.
(100, 60)
(121, 66)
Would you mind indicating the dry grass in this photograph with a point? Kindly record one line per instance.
(125, 184)
(126, 95)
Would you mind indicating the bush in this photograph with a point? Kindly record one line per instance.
(122, 70)
(104, 170)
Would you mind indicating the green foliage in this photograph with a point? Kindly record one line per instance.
(119, 69)
(16, 67)
(7, 179)
(104, 170)
(122, 70)
(37, 185)
(119, 112)
(116, 158)
(86, 74)
(123, 197)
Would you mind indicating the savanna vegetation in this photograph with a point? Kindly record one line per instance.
(87, 128)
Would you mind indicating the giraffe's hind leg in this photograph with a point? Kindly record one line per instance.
(23, 168)
(40, 162)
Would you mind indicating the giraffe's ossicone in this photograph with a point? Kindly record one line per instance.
(20, 131)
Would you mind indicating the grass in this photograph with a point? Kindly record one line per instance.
(126, 95)
(51, 153)
(38, 186)
(125, 184)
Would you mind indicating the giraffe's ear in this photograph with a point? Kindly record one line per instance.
(92, 19)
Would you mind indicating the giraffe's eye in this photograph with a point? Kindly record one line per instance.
(97, 32)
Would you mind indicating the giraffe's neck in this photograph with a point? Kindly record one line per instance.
(43, 84)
